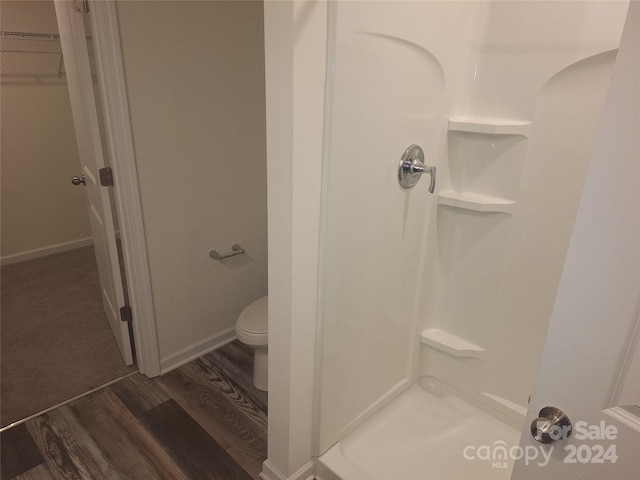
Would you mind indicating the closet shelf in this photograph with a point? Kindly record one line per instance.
(490, 126)
(32, 57)
(449, 343)
(476, 202)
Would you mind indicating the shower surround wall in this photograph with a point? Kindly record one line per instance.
(505, 99)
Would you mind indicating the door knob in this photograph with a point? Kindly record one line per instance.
(551, 425)
(78, 180)
(412, 167)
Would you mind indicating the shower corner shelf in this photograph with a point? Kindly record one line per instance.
(490, 126)
(449, 343)
(476, 202)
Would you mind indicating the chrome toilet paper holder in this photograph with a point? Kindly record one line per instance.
(235, 250)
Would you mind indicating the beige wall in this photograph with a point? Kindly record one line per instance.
(195, 79)
(40, 206)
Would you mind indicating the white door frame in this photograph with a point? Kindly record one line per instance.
(112, 90)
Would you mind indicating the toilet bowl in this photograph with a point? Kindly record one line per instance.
(251, 329)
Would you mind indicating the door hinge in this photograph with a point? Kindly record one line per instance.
(106, 177)
(81, 6)
(125, 314)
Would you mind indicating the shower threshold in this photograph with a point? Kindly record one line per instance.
(424, 434)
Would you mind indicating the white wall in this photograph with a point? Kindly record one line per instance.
(498, 273)
(195, 80)
(386, 92)
(41, 209)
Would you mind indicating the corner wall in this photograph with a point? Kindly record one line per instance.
(295, 47)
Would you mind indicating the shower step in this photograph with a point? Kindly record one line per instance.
(450, 343)
(476, 202)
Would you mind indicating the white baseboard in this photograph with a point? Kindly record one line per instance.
(269, 472)
(44, 251)
(196, 350)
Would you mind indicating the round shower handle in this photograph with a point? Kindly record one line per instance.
(552, 424)
(412, 167)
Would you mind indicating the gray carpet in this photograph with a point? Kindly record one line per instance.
(55, 340)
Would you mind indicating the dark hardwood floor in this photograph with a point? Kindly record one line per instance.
(204, 420)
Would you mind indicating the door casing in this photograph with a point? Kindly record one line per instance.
(119, 139)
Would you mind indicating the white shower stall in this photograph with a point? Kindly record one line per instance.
(433, 308)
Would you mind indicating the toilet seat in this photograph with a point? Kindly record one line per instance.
(252, 324)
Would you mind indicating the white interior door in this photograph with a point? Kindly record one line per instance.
(588, 368)
(85, 118)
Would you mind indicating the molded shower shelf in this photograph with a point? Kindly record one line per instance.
(518, 410)
(491, 126)
(447, 342)
(476, 202)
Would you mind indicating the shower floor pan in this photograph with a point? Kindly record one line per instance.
(424, 434)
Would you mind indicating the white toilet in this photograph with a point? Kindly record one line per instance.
(251, 329)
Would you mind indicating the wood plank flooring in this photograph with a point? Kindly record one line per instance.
(204, 420)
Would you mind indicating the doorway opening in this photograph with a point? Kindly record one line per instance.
(56, 343)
